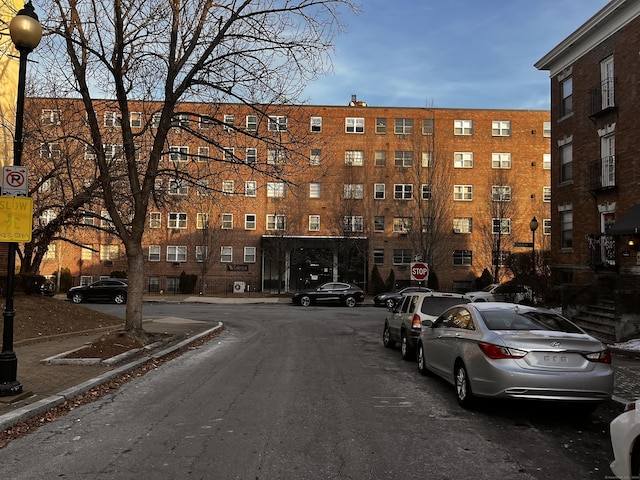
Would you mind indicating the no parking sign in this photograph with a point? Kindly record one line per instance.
(15, 181)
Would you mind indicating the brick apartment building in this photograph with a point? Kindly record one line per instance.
(595, 168)
(285, 197)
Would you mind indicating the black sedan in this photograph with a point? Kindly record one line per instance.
(389, 299)
(346, 294)
(107, 290)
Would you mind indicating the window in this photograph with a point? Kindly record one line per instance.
(201, 253)
(546, 161)
(202, 187)
(278, 124)
(229, 154)
(89, 153)
(354, 125)
(249, 254)
(353, 223)
(51, 117)
(501, 193)
(462, 257)
(88, 218)
(566, 96)
(314, 223)
(155, 120)
(316, 124)
(608, 160)
(87, 252)
(381, 125)
(276, 222)
(463, 192)
(546, 194)
(546, 226)
(205, 122)
(228, 187)
(403, 191)
(315, 157)
(426, 224)
(425, 191)
(105, 220)
(402, 224)
(566, 162)
(50, 151)
(501, 160)
(462, 225)
(463, 160)
(314, 190)
(135, 119)
(546, 129)
(501, 226)
(403, 126)
(111, 119)
(566, 229)
(378, 256)
(227, 221)
(203, 154)
(275, 189)
(176, 253)
(112, 152)
(229, 123)
(226, 254)
(379, 191)
(463, 127)
(46, 217)
(177, 220)
(354, 190)
(276, 157)
(378, 223)
(109, 252)
(155, 220)
(154, 253)
(179, 153)
(403, 158)
(380, 158)
(427, 126)
(427, 159)
(250, 221)
(501, 128)
(180, 120)
(402, 256)
(354, 158)
(251, 123)
(178, 187)
(202, 221)
(250, 188)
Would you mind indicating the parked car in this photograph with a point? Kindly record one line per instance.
(48, 288)
(404, 322)
(506, 350)
(346, 294)
(108, 290)
(625, 433)
(503, 292)
(389, 299)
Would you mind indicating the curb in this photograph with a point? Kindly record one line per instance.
(42, 406)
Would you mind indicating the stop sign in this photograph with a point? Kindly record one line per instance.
(419, 271)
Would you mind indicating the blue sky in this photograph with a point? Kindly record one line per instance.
(449, 53)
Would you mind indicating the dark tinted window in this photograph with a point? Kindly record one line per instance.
(436, 305)
(515, 320)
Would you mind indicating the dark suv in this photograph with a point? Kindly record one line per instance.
(107, 290)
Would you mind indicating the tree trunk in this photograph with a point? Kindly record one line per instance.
(135, 258)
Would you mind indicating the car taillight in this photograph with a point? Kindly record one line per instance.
(603, 356)
(496, 351)
(415, 322)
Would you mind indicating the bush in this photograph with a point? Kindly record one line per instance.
(29, 283)
(377, 284)
(391, 281)
(66, 281)
(433, 282)
(187, 283)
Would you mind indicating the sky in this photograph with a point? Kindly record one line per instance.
(448, 53)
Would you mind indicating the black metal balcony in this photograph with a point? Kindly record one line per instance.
(602, 173)
(602, 251)
(602, 98)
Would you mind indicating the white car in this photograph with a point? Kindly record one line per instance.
(625, 433)
(503, 292)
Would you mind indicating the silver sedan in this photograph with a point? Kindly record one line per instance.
(504, 350)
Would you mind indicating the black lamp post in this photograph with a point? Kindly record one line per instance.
(26, 33)
(533, 225)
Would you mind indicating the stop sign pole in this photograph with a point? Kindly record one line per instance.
(419, 271)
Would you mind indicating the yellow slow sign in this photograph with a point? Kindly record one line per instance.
(16, 219)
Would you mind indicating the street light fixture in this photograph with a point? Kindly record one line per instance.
(26, 33)
(533, 225)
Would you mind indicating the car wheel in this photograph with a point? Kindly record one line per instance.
(422, 363)
(305, 300)
(405, 349)
(77, 298)
(120, 298)
(463, 387)
(390, 303)
(350, 302)
(386, 337)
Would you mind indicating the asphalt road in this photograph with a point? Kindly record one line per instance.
(304, 393)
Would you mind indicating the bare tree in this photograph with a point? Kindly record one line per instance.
(252, 52)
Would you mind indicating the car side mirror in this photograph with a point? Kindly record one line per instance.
(427, 323)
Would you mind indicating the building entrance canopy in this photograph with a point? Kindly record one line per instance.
(628, 224)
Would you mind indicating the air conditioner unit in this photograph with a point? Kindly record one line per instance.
(108, 263)
(238, 287)
(175, 264)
